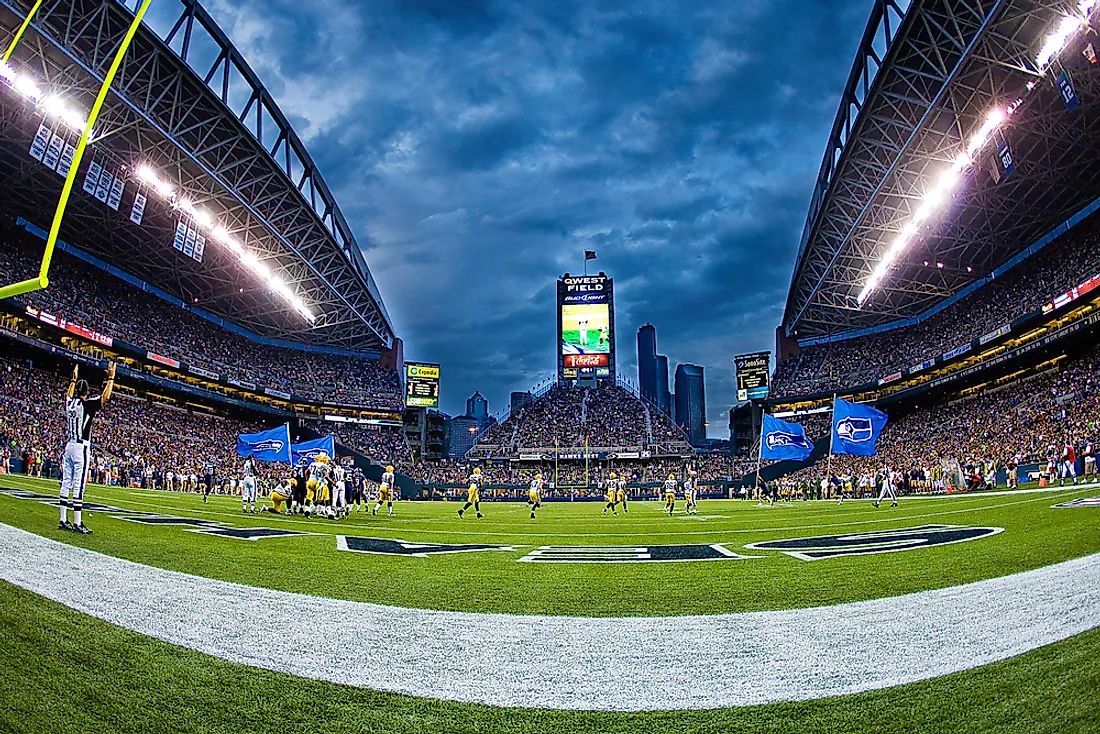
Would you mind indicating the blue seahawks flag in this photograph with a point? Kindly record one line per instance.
(308, 450)
(782, 440)
(273, 445)
(856, 428)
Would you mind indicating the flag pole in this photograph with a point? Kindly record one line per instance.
(832, 434)
(760, 452)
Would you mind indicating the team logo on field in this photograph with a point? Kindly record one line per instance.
(856, 430)
(1083, 502)
(211, 527)
(205, 527)
(386, 547)
(886, 541)
(631, 554)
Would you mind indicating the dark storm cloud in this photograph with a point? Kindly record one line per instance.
(479, 147)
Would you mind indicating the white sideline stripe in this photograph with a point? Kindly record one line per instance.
(635, 664)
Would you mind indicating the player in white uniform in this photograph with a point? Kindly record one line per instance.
(339, 506)
(887, 488)
(385, 492)
(80, 408)
(691, 493)
(582, 328)
(248, 486)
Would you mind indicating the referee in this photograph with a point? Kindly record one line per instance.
(80, 408)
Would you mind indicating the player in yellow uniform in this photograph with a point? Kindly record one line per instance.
(385, 492)
(473, 494)
(316, 486)
(670, 494)
(534, 494)
(280, 494)
(611, 500)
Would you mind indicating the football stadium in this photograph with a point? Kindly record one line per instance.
(228, 502)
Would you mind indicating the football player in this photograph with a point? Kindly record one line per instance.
(356, 497)
(298, 486)
(339, 507)
(670, 494)
(691, 489)
(248, 486)
(620, 493)
(315, 485)
(473, 494)
(534, 494)
(611, 483)
(385, 492)
(282, 493)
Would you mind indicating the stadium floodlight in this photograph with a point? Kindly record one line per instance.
(1052, 46)
(56, 107)
(26, 86)
(147, 175)
(1056, 41)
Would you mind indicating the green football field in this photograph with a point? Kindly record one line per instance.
(112, 679)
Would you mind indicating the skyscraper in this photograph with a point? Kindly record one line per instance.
(477, 408)
(664, 401)
(647, 368)
(691, 402)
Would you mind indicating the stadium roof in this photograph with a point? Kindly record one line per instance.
(924, 85)
(188, 107)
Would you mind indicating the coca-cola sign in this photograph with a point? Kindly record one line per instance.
(586, 360)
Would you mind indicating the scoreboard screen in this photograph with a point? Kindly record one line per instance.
(421, 385)
(753, 373)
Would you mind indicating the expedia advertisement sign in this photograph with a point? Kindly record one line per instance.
(586, 326)
(753, 372)
(421, 385)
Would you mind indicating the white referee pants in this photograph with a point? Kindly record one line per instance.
(74, 475)
(248, 490)
(887, 489)
(339, 496)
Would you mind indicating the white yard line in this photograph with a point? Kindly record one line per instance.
(636, 664)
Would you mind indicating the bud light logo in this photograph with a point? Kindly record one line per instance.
(586, 298)
(856, 430)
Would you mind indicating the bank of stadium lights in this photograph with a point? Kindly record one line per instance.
(938, 193)
(51, 104)
(219, 233)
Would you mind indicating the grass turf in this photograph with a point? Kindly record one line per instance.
(1035, 535)
(61, 671)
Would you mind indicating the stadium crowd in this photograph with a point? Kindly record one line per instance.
(87, 295)
(1051, 271)
(1033, 420)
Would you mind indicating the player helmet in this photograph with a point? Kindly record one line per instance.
(322, 457)
(389, 468)
(671, 476)
(538, 476)
(477, 470)
(612, 475)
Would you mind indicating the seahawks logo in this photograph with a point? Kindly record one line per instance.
(855, 430)
(782, 439)
(888, 541)
(268, 444)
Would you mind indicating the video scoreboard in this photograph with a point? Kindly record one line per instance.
(753, 375)
(421, 385)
